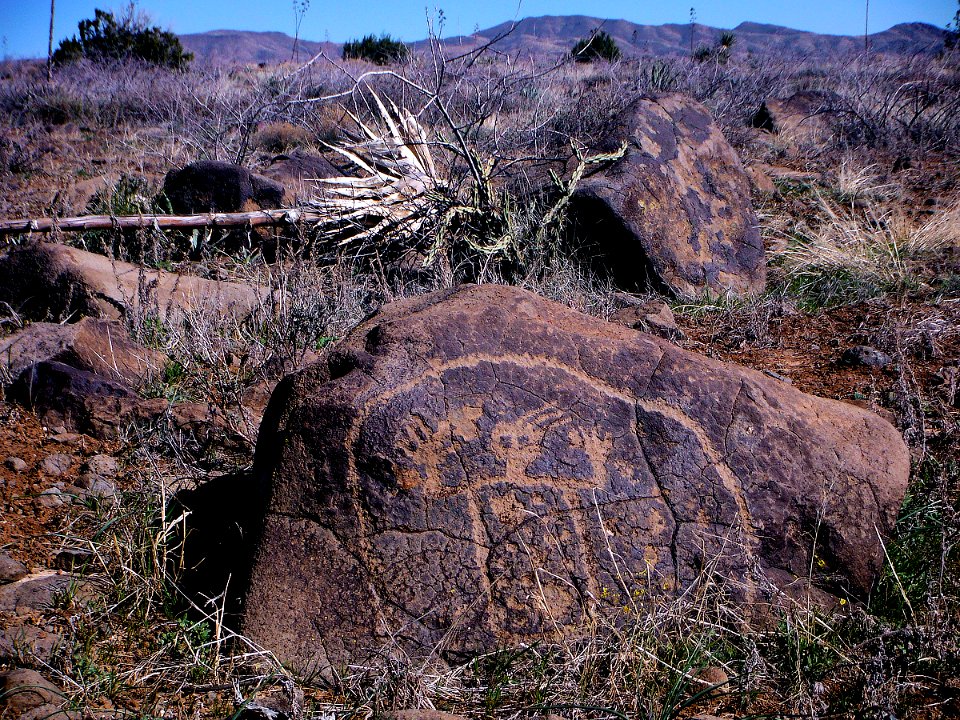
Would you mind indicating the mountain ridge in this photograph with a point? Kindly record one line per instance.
(551, 35)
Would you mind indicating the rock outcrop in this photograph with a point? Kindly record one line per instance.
(98, 346)
(49, 281)
(807, 116)
(214, 186)
(481, 466)
(675, 212)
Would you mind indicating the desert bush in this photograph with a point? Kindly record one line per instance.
(106, 38)
(383, 50)
(658, 76)
(599, 46)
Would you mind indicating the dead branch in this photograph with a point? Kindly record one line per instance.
(161, 222)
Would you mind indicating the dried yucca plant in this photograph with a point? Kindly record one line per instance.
(400, 188)
(403, 202)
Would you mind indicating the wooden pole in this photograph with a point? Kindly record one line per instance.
(50, 44)
(866, 29)
(162, 222)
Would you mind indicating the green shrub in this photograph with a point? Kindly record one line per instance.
(381, 50)
(105, 38)
(599, 46)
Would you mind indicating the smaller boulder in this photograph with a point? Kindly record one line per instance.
(865, 356)
(654, 317)
(87, 403)
(297, 172)
(11, 570)
(24, 690)
(99, 346)
(46, 280)
(673, 214)
(80, 400)
(214, 186)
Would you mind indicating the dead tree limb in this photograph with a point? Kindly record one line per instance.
(162, 222)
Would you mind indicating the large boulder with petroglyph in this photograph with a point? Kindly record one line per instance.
(481, 466)
(674, 213)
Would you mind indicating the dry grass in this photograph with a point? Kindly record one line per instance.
(845, 255)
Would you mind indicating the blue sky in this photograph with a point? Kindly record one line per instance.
(24, 23)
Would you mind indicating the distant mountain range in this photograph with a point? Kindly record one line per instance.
(553, 35)
(242, 47)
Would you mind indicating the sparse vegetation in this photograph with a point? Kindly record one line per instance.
(863, 234)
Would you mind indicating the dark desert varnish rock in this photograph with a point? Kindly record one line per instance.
(214, 186)
(481, 466)
(674, 213)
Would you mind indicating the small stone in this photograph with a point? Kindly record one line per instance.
(106, 466)
(56, 464)
(712, 678)
(654, 317)
(101, 488)
(865, 356)
(67, 438)
(73, 559)
(11, 569)
(51, 498)
(261, 710)
(22, 641)
(424, 715)
(23, 690)
(16, 464)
